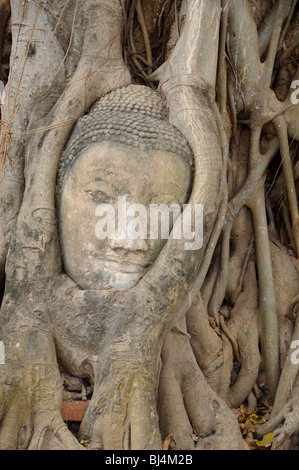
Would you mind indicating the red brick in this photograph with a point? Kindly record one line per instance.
(73, 410)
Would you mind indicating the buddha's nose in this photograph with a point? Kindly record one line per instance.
(128, 244)
(130, 236)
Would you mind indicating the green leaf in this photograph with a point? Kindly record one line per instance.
(266, 441)
(255, 419)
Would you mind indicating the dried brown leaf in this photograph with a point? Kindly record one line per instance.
(170, 439)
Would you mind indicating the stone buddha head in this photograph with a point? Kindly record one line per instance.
(122, 153)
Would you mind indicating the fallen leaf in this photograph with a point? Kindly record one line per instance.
(263, 410)
(266, 441)
(85, 443)
(169, 440)
(255, 419)
(249, 426)
(249, 443)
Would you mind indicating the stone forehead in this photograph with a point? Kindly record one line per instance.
(134, 116)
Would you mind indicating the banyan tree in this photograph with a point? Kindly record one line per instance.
(126, 106)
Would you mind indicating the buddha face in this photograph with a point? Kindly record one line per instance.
(105, 174)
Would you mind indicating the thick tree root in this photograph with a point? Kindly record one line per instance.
(285, 425)
(189, 409)
(243, 326)
(122, 414)
(31, 411)
(206, 343)
(49, 422)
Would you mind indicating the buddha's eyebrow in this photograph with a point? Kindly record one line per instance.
(103, 171)
(97, 175)
(101, 182)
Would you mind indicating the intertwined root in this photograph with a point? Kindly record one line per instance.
(283, 422)
(122, 414)
(284, 426)
(198, 417)
(285, 434)
(50, 432)
(30, 415)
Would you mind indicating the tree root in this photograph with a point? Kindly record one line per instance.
(4, 15)
(52, 423)
(206, 343)
(289, 416)
(122, 414)
(288, 375)
(203, 420)
(286, 280)
(196, 389)
(31, 410)
(282, 132)
(243, 327)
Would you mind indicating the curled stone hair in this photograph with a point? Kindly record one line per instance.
(133, 115)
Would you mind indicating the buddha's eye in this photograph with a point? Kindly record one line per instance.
(99, 197)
